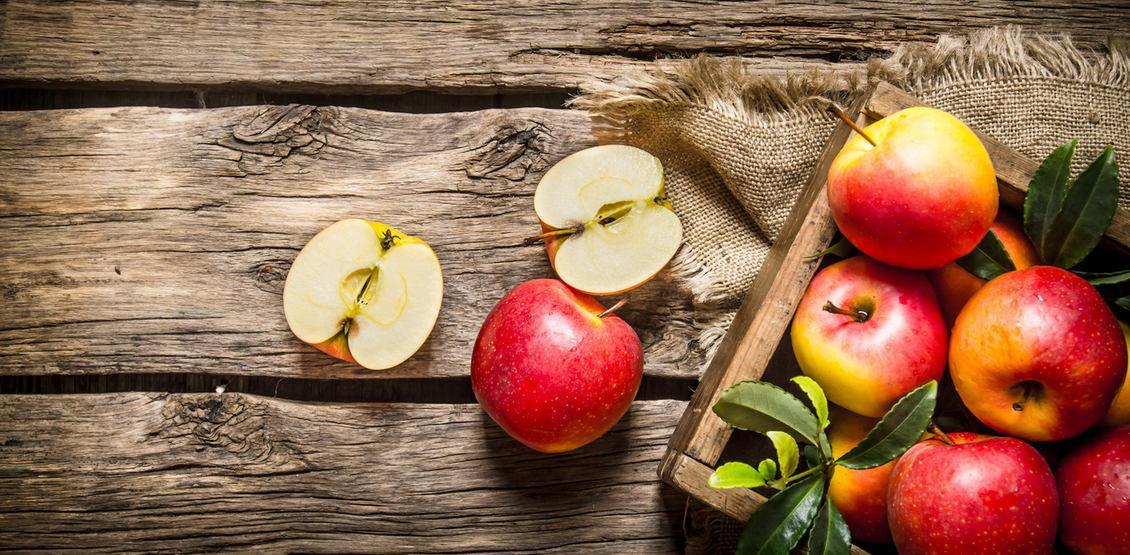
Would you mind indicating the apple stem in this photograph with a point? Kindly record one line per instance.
(839, 112)
(940, 433)
(536, 239)
(612, 308)
(857, 315)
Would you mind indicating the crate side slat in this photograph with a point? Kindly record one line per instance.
(768, 307)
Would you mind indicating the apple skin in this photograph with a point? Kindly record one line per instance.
(866, 366)
(924, 197)
(955, 286)
(549, 371)
(982, 495)
(860, 495)
(1094, 482)
(1119, 412)
(1046, 330)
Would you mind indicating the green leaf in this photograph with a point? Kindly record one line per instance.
(988, 259)
(811, 455)
(1105, 278)
(788, 454)
(763, 407)
(767, 469)
(1046, 191)
(816, 396)
(842, 249)
(736, 475)
(898, 431)
(1123, 303)
(1087, 210)
(776, 527)
(830, 534)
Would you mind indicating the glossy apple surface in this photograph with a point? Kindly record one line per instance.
(922, 197)
(955, 286)
(550, 371)
(865, 366)
(1037, 354)
(982, 495)
(1094, 482)
(860, 495)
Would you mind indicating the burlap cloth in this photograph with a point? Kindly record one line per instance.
(737, 147)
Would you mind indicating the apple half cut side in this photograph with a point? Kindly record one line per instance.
(608, 225)
(364, 292)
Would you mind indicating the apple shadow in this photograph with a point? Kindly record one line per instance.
(610, 473)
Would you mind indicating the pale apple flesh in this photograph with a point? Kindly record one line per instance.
(364, 292)
(609, 225)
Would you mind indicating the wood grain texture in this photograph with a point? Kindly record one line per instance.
(376, 46)
(154, 240)
(148, 472)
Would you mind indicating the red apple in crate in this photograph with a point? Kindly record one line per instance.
(922, 196)
(1037, 354)
(955, 285)
(1094, 482)
(1119, 412)
(860, 495)
(869, 333)
(981, 495)
(550, 370)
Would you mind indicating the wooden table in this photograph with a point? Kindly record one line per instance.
(145, 241)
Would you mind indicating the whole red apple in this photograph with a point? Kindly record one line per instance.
(869, 333)
(1037, 354)
(982, 494)
(1094, 482)
(550, 370)
(923, 195)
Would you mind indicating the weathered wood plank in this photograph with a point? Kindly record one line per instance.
(150, 240)
(145, 472)
(419, 44)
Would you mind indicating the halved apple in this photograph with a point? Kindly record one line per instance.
(364, 292)
(607, 223)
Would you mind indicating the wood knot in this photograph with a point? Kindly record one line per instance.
(270, 275)
(512, 153)
(275, 135)
(231, 428)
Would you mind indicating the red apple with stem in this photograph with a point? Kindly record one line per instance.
(968, 493)
(869, 333)
(1037, 354)
(1094, 481)
(553, 367)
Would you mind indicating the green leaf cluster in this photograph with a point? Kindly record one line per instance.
(801, 505)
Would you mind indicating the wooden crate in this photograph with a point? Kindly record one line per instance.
(756, 342)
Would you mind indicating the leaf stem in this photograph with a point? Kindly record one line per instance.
(809, 472)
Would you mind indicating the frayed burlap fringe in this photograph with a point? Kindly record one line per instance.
(728, 89)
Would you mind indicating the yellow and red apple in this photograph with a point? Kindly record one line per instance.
(552, 368)
(922, 196)
(1037, 354)
(607, 224)
(364, 292)
(869, 333)
(860, 495)
(955, 285)
(1119, 412)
